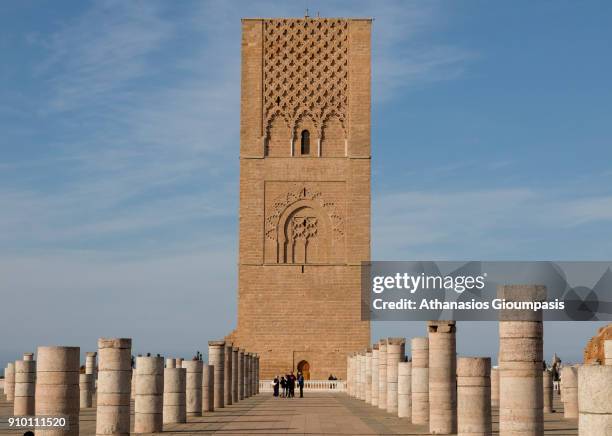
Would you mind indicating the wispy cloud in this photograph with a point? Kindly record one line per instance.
(497, 223)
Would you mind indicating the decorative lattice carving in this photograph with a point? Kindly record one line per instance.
(298, 194)
(305, 71)
(304, 227)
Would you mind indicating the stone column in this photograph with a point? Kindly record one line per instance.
(521, 411)
(25, 384)
(348, 375)
(170, 363)
(547, 387)
(382, 374)
(569, 391)
(257, 376)
(85, 390)
(179, 362)
(253, 373)
(595, 400)
(174, 411)
(91, 369)
(114, 386)
(90, 363)
(495, 387)
(368, 376)
(420, 380)
(193, 387)
(234, 375)
(57, 388)
(404, 389)
(247, 374)
(375, 375)
(474, 396)
(9, 381)
(355, 375)
(227, 375)
(148, 407)
(208, 388)
(216, 358)
(362, 375)
(442, 377)
(608, 352)
(241, 374)
(395, 354)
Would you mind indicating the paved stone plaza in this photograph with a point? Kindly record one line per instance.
(316, 414)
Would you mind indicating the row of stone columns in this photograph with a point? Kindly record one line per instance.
(433, 377)
(53, 386)
(235, 375)
(427, 388)
(372, 375)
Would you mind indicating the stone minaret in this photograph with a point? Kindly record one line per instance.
(304, 192)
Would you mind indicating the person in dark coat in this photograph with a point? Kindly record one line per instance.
(292, 385)
(300, 380)
(276, 386)
(283, 385)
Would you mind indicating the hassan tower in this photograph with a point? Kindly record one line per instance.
(304, 193)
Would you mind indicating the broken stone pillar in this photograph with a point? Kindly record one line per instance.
(362, 375)
(133, 385)
(241, 374)
(547, 386)
(395, 354)
(193, 387)
(114, 386)
(227, 375)
(85, 390)
(368, 376)
(57, 388)
(356, 370)
(348, 375)
(521, 408)
(90, 362)
(170, 363)
(474, 396)
(208, 388)
(420, 380)
(595, 400)
(608, 352)
(175, 385)
(256, 373)
(375, 375)
(179, 362)
(382, 374)
(9, 381)
(495, 387)
(442, 377)
(404, 389)
(216, 358)
(247, 374)
(25, 385)
(234, 375)
(148, 406)
(569, 391)
(91, 368)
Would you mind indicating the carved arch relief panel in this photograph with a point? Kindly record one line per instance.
(304, 223)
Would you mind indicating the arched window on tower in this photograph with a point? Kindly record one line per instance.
(305, 143)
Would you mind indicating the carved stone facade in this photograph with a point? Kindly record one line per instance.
(304, 192)
(305, 69)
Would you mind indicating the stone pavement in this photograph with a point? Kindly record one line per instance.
(316, 414)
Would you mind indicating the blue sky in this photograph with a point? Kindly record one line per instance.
(491, 139)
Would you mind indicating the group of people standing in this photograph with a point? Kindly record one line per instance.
(284, 386)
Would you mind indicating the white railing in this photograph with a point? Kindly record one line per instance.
(312, 385)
